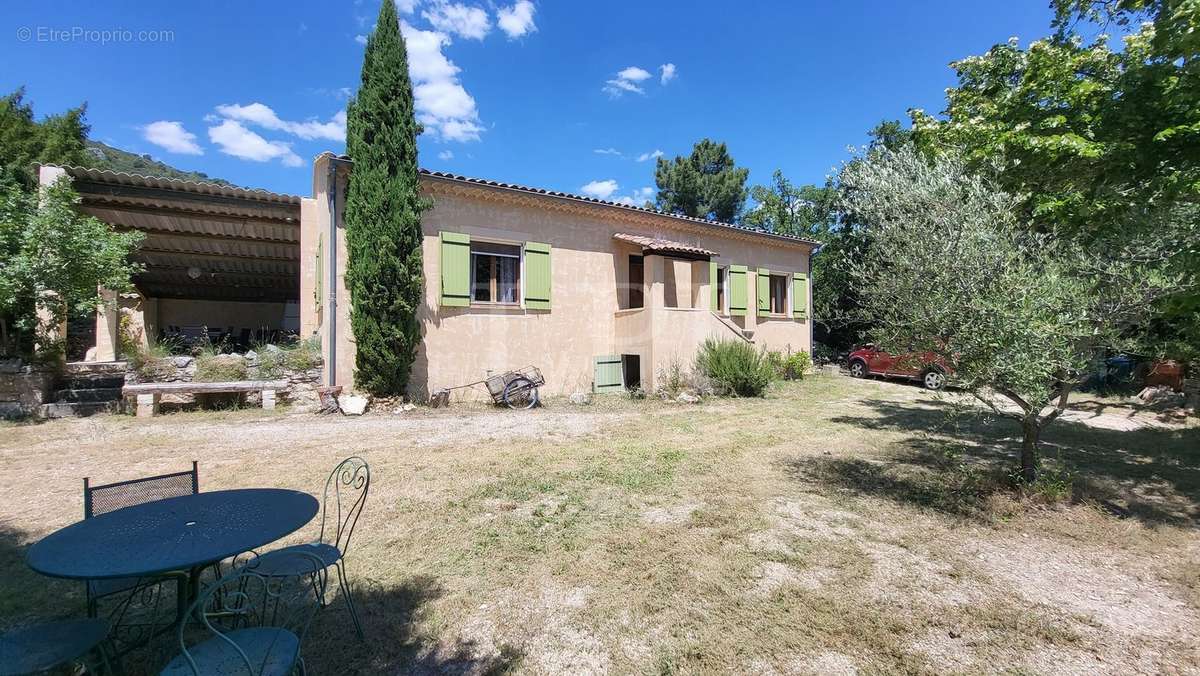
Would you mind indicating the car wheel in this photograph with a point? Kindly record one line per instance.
(933, 379)
(858, 369)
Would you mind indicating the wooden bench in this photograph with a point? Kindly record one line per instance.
(149, 394)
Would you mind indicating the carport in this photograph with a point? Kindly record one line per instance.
(220, 262)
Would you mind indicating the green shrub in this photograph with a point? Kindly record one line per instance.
(775, 359)
(151, 363)
(735, 367)
(795, 365)
(304, 355)
(212, 367)
(274, 360)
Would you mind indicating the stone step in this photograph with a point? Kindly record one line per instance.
(78, 409)
(88, 395)
(80, 368)
(92, 382)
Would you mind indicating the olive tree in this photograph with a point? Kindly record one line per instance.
(951, 270)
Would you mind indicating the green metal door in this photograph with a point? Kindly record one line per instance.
(608, 374)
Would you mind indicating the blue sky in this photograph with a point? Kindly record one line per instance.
(552, 93)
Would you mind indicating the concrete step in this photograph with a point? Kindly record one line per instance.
(77, 368)
(88, 395)
(78, 409)
(92, 382)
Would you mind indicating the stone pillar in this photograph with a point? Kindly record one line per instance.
(268, 400)
(108, 327)
(147, 405)
(702, 285)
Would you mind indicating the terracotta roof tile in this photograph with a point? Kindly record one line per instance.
(656, 244)
(617, 205)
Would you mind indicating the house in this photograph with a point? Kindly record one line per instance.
(600, 296)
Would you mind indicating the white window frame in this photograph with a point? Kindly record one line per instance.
(787, 293)
(520, 271)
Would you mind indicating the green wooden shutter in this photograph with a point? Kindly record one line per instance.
(537, 276)
(608, 376)
(738, 290)
(456, 269)
(713, 281)
(763, 297)
(800, 295)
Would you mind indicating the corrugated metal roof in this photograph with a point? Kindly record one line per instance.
(197, 187)
(617, 205)
(656, 244)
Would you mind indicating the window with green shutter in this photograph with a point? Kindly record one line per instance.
(537, 276)
(800, 295)
(763, 297)
(607, 376)
(456, 269)
(738, 290)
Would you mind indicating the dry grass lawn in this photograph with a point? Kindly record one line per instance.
(836, 526)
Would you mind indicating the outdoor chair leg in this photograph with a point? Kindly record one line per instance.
(344, 587)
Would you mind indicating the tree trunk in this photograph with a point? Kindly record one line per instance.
(1031, 430)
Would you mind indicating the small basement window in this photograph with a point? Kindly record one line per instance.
(779, 289)
(495, 273)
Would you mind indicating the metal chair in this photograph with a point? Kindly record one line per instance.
(345, 495)
(42, 647)
(111, 497)
(257, 623)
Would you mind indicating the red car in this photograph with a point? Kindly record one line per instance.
(928, 369)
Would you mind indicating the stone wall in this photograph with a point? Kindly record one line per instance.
(302, 384)
(23, 388)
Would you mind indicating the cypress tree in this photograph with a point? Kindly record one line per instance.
(383, 214)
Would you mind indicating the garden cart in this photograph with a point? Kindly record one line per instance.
(515, 389)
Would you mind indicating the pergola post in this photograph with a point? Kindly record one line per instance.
(108, 327)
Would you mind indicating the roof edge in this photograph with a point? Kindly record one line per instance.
(479, 182)
(200, 187)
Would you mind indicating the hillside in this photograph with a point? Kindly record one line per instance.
(107, 157)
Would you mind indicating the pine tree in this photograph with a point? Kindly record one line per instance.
(705, 184)
(383, 214)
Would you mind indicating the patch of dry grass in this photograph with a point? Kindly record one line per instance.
(834, 525)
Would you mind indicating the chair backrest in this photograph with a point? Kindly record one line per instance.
(109, 497)
(246, 599)
(345, 495)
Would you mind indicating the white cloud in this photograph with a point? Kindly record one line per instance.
(263, 116)
(360, 39)
(443, 106)
(172, 137)
(626, 81)
(650, 156)
(516, 21)
(234, 139)
(633, 73)
(600, 189)
(607, 151)
(407, 6)
(637, 199)
(446, 155)
(459, 19)
(667, 72)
